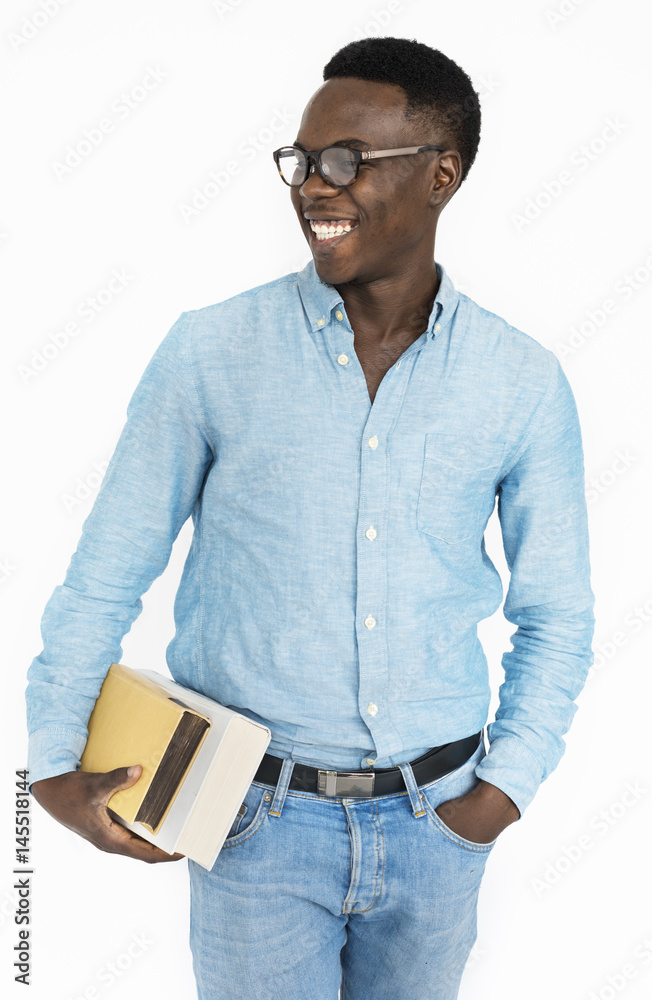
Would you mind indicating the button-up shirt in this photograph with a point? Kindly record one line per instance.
(337, 569)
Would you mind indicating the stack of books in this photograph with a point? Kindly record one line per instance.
(198, 758)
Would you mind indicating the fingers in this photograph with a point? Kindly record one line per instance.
(79, 800)
(106, 783)
(110, 835)
(119, 840)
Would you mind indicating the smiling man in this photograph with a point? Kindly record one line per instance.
(339, 437)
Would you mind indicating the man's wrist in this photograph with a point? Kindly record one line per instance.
(496, 801)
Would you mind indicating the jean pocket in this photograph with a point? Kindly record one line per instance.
(467, 845)
(458, 486)
(452, 786)
(251, 815)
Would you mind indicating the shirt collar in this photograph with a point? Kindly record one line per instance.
(320, 299)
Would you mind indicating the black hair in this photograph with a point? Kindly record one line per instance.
(440, 95)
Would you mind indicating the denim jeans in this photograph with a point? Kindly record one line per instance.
(309, 895)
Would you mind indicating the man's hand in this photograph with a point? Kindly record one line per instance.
(480, 815)
(78, 800)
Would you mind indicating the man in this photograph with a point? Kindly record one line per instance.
(339, 436)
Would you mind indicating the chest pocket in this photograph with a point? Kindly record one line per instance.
(458, 486)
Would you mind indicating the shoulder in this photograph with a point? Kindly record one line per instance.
(242, 304)
(509, 348)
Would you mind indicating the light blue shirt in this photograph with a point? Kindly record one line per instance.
(337, 570)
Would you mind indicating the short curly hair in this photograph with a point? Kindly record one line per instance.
(440, 96)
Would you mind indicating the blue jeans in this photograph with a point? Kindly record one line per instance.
(310, 895)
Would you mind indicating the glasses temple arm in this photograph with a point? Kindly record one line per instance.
(371, 154)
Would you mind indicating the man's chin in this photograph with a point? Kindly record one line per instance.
(335, 272)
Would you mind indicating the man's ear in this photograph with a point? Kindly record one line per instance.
(446, 179)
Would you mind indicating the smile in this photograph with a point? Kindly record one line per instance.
(329, 229)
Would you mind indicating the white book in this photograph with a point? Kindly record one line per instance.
(208, 800)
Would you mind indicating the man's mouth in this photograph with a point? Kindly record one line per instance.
(330, 229)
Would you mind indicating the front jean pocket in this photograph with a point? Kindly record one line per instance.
(468, 845)
(458, 486)
(451, 786)
(251, 816)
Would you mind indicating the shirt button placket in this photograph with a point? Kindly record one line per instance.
(371, 595)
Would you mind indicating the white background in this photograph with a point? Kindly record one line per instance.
(554, 919)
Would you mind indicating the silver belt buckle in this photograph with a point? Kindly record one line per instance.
(345, 784)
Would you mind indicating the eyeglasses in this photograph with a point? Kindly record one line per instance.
(337, 165)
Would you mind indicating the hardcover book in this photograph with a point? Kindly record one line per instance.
(198, 758)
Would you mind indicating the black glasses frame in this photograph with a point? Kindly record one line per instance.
(313, 158)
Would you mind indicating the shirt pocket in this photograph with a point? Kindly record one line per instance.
(458, 486)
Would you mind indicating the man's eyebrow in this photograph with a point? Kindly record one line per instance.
(340, 142)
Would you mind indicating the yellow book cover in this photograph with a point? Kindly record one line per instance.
(133, 722)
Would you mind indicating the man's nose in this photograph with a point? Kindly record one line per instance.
(315, 184)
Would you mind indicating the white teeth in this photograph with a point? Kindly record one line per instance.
(326, 231)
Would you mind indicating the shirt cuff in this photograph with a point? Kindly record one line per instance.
(52, 751)
(511, 766)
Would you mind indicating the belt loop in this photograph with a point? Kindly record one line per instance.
(282, 786)
(413, 789)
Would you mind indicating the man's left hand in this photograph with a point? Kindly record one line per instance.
(481, 815)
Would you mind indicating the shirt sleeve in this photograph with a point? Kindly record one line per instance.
(150, 488)
(543, 516)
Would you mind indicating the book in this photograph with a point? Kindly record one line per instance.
(135, 720)
(198, 758)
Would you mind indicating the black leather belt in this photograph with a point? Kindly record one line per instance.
(433, 764)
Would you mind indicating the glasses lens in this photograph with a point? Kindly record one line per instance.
(339, 164)
(292, 164)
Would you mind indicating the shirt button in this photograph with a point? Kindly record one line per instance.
(343, 359)
(320, 322)
(339, 315)
(371, 708)
(370, 533)
(369, 621)
(370, 760)
(373, 442)
(438, 327)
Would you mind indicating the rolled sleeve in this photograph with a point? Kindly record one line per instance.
(543, 516)
(150, 488)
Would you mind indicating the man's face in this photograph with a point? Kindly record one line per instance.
(390, 204)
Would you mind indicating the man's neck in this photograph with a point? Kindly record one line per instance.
(393, 308)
